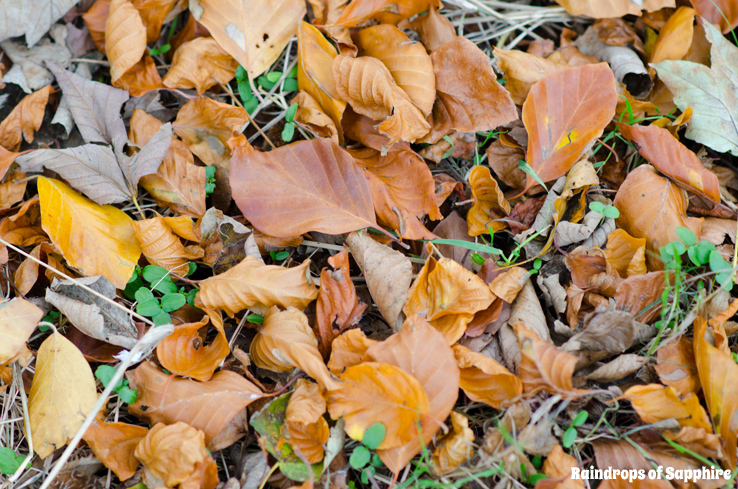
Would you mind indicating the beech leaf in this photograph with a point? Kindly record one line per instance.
(18, 319)
(114, 444)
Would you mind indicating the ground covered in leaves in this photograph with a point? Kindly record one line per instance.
(368, 244)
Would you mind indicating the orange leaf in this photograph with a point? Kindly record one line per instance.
(209, 406)
(656, 402)
(153, 13)
(383, 10)
(673, 159)
(200, 64)
(638, 292)
(675, 38)
(676, 366)
(114, 444)
(490, 203)
(448, 295)
(141, 78)
(717, 11)
(559, 465)
(95, 20)
(434, 29)
(485, 380)
(626, 254)
(348, 350)
(304, 186)
(563, 114)
(522, 70)
(25, 118)
(455, 448)
(125, 37)
(308, 429)
(310, 115)
(161, 247)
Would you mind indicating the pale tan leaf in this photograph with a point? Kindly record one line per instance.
(18, 319)
(200, 64)
(125, 37)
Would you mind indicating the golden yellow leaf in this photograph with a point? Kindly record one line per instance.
(113, 444)
(626, 254)
(253, 285)
(125, 37)
(656, 402)
(161, 247)
(490, 203)
(18, 319)
(448, 295)
(62, 394)
(95, 239)
(455, 448)
(200, 64)
(379, 393)
(485, 380)
(675, 38)
(25, 118)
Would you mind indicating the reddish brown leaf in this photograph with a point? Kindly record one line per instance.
(114, 444)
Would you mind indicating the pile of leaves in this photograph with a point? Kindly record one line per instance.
(367, 244)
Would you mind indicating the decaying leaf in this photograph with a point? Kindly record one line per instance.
(24, 119)
(454, 448)
(485, 380)
(200, 64)
(18, 319)
(114, 444)
(676, 366)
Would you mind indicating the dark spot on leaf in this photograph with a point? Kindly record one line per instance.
(144, 407)
(196, 343)
(266, 36)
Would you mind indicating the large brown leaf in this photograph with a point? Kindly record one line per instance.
(716, 12)
(200, 64)
(672, 158)
(125, 37)
(208, 406)
(114, 444)
(367, 85)
(485, 380)
(305, 186)
(409, 63)
(468, 97)
(563, 114)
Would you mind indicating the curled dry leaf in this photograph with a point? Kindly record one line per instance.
(97, 240)
(62, 394)
(672, 158)
(308, 429)
(18, 319)
(485, 380)
(447, 295)
(176, 455)
(455, 448)
(617, 369)
(388, 274)
(676, 366)
(253, 285)
(522, 70)
(468, 97)
(348, 350)
(379, 393)
(367, 85)
(612, 8)
(200, 64)
(125, 37)
(24, 119)
(310, 115)
(490, 203)
(161, 247)
(208, 406)
(315, 183)
(141, 78)
(434, 29)
(559, 465)
(560, 131)
(626, 254)
(406, 60)
(656, 402)
(286, 342)
(114, 445)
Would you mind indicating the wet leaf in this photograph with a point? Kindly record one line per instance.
(383, 10)
(559, 465)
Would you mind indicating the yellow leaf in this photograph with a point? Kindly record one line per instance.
(18, 319)
(62, 394)
(656, 402)
(125, 37)
(96, 239)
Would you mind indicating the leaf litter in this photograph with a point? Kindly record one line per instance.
(367, 244)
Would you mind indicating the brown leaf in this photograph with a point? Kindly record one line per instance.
(191, 30)
(114, 444)
(640, 291)
(175, 455)
(716, 12)
(485, 380)
(153, 13)
(348, 350)
(24, 119)
(161, 247)
(584, 264)
(286, 342)
(208, 406)
(386, 11)
(504, 161)
(448, 296)
(455, 448)
(560, 131)
(672, 158)
(308, 429)
(490, 204)
(434, 29)
(253, 285)
(652, 207)
(311, 116)
(315, 185)
(468, 97)
(656, 402)
(406, 60)
(141, 78)
(338, 306)
(522, 70)
(379, 393)
(559, 465)
(676, 366)
(125, 37)
(626, 254)
(612, 8)
(95, 20)
(543, 367)
(367, 85)
(200, 64)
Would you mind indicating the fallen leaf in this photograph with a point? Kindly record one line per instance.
(655, 402)
(153, 14)
(24, 119)
(337, 308)
(208, 406)
(675, 38)
(676, 366)
(559, 465)
(18, 319)
(174, 454)
(255, 43)
(200, 64)
(97, 240)
(626, 254)
(379, 393)
(62, 394)
(406, 60)
(455, 227)
(504, 161)
(383, 10)
(612, 8)
(672, 158)
(95, 19)
(367, 85)
(348, 349)
(560, 131)
(311, 116)
(485, 380)
(652, 207)
(141, 78)
(315, 183)
(434, 29)
(11, 192)
(490, 205)
(717, 11)
(161, 247)
(638, 294)
(285, 342)
(522, 70)
(308, 429)
(32, 18)
(114, 443)
(125, 37)
(448, 295)
(618, 369)
(455, 448)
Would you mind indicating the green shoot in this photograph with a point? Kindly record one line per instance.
(105, 374)
(522, 165)
(9, 461)
(210, 182)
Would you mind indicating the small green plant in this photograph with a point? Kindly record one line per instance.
(606, 210)
(255, 318)
(450, 150)
(537, 263)
(266, 81)
(105, 374)
(165, 48)
(570, 435)
(362, 458)
(701, 254)
(159, 280)
(51, 317)
(9, 461)
(210, 182)
(289, 128)
(279, 255)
